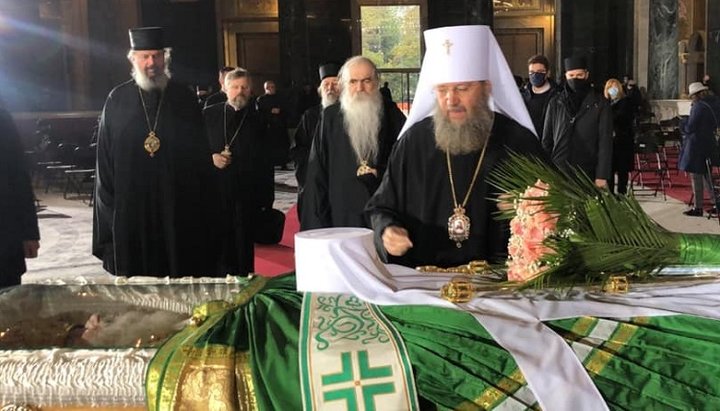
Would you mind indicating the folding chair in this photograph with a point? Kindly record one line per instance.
(714, 174)
(651, 172)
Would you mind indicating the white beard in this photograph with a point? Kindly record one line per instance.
(327, 100)
(362, 114)
(159, 82)
(465, 138)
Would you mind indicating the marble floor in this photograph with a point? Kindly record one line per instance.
(66, 231)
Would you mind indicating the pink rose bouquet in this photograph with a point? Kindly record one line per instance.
(529, 228)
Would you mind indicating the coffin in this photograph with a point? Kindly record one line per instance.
(81, 346)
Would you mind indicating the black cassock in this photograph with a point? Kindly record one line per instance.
(415, 194)
(273, 110)
(154, 215)
(334, 196)
(240, 187)
(18, 219)
(300, 149)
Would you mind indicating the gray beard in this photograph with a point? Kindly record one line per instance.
(362, 114)
(238, 103)
(465, 138)
(159, 82)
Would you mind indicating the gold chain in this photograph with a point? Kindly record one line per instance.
(157, 113)
(472, 183)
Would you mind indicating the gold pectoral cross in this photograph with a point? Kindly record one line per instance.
(364, 168)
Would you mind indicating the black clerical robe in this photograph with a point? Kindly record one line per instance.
(18, 219)
(215, 98)
(240, 186)
(300, 149)
(415, 194)
(334, 196)
(272, 109)
(154, 215)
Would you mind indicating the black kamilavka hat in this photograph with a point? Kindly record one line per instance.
(147, 38)
(328, 70)
(575, 62)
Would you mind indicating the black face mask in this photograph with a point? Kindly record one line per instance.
(537, 79)
(579, 85)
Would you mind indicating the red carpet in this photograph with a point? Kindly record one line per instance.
(272, 260)
(677, 183)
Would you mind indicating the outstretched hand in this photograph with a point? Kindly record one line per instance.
(396, 240)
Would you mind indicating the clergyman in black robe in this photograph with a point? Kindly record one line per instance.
(435, 205)
(19, 235)
(273, 109)
(415, 194)
(308, 126)
(349, 153)
(155, 194)
(237, 125)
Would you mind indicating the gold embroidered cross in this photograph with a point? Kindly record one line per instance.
(447, 45)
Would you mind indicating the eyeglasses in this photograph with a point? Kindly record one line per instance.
(459, 89)
(537, 72)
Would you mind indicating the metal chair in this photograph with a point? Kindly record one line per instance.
(651, 172)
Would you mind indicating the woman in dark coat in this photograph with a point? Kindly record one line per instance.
(623, 135)
(19, 235)
(699, 143)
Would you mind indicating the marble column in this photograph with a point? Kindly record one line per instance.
(75, 37)
(712, 56)
(641, 42)
(663, 50)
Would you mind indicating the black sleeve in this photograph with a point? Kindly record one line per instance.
(382, 210)
(316, 211)
(19, 187)
(548, 134)
(104, 207)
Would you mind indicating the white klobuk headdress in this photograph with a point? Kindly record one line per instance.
(466, 53)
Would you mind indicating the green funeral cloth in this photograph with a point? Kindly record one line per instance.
(247, 353)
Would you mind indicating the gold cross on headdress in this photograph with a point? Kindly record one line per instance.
(447, 46)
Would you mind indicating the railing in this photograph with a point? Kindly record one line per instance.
(402, 83)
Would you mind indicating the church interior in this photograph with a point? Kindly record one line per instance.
(59, 59)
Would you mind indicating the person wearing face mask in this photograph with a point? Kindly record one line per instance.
(633, 94)
(577, 133)
(539, 90)
(623, 117)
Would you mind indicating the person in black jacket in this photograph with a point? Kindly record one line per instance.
(578, 126)
(220, 96)
(623, 114)
(538, 92)
(19, 234)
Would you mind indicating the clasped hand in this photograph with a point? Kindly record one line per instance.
(221, 161)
